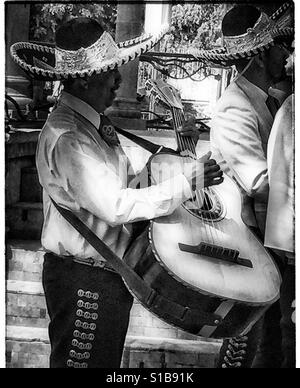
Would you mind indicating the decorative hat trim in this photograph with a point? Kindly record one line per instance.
(256, 40)
(53, 63)
(259, 35)
(85, 59)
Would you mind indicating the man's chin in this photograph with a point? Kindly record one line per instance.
(110, 102)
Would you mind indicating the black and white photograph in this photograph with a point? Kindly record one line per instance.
(149, 187)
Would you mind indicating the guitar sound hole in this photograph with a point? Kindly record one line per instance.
(207, 203)
(211, 207)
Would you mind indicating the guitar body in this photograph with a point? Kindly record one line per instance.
(230, 274)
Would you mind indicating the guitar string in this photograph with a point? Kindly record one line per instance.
(186, 147)
(208, 189)
(180, 119)
(171, 106)
(201, 192)
(179, 139)
(196, 203)
(192, 147)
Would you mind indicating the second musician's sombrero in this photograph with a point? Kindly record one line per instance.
(259, 33)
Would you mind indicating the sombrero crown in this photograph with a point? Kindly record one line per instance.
(246, 32)
(82, 48)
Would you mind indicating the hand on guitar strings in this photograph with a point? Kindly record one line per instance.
(213, 175)
(203, 172)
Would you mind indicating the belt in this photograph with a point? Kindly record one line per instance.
(90, 261)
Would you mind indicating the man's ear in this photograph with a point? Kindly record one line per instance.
(260, 60)
(81, 83)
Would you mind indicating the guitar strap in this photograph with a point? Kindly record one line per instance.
(146, 144)
(144, 293)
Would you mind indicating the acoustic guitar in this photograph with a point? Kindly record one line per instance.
(202, 257)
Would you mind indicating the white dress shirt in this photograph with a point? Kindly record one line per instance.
(239, 134)
(81, 172)
(280, 216)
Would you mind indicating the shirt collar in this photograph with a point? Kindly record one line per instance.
(81, 107)
(254, 89)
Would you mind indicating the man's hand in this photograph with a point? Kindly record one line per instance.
(203, 172)
(213, 175)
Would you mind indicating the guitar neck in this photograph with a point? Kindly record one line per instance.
(185, 144)
(170, 98)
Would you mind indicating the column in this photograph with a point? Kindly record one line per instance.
(16, 29)
(126, 110)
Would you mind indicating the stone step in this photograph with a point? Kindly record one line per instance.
(25, 220)
(31, 190)
(24, 259)
(150, 352)
(29, 348)
(26, 304)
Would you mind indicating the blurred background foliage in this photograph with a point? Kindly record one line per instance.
(192, 24)
(44, 18)
(197, 25)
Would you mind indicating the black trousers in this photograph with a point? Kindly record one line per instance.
(89, 311)
(287, 323)
(269, 351)
(277, 347)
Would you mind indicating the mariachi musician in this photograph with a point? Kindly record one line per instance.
(258, 47)
(85, 170)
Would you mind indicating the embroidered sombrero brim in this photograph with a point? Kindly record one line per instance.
(223, 58)
(40, 60)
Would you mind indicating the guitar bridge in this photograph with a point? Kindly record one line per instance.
(217, 252)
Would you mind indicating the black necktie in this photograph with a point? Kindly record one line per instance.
(108, 132)
(273, 105)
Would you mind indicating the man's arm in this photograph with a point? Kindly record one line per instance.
(87, 178)
(235, 133)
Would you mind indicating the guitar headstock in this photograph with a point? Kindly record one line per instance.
(170, 98)
(164, 93)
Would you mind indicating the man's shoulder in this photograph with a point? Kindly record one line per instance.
(62, 117)
(287, 107)
(284, 119)
(61, 122)
(234, 95)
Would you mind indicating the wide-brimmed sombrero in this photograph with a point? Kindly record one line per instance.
(257, 39)
(47, 62)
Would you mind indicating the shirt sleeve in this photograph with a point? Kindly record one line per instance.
(85, 176)
(235, 133)
(280, 214)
